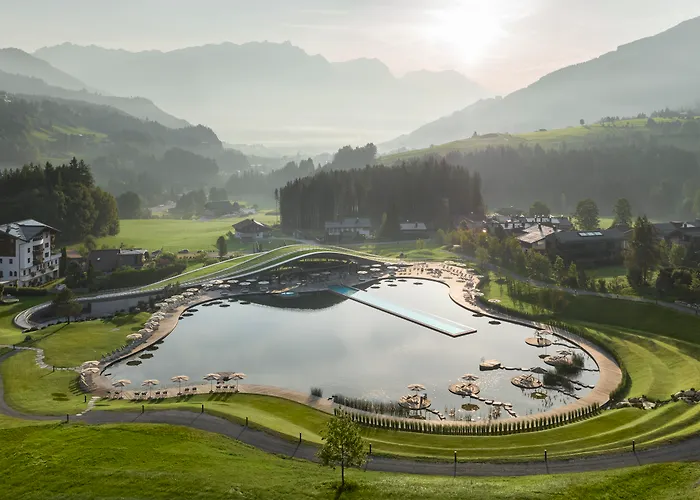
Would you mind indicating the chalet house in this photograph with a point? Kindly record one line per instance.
(27, 253)
(350, 225)
(250, 229)
(589, 248)
(413, 229)
(682, 233)
(535, 237)
(108, 261)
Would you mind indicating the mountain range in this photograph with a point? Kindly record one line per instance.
(271, 93)
(649, 74)
(22, 73)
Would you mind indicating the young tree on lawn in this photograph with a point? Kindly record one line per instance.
(643, 254)
(622, 212)
(587, 215)
(559, 270)
(342, 445)
(222, 246)
(66, 305)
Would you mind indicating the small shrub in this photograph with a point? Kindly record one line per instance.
(317, 391)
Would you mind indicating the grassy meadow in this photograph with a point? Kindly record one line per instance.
(163, 462)
(574, 137)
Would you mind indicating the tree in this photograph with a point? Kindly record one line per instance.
(90, 243)
(63, 262)
(129, 205)
(2, 291)
(587, 215)
(482, 257)
(222, 246)
(559, 270)
(65, 304)
(582, 122)
(342, 445)
(390, 228)
(622, 212)
(643, 254)
(676, 255)
(538, 266)
(539, 208)
(572, 278)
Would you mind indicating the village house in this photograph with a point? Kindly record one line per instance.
(251, 229)
(588, 248)
(27, 255)
(350, 226)
(109, 260)
(413, 230)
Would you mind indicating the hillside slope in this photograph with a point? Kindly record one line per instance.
(136, 106)
(272, 93)
(648, 74)
(17, 62)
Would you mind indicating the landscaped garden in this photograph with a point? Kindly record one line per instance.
(659, 349)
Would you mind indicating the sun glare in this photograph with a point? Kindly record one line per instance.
(466, 31)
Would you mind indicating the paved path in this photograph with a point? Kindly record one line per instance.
(688, 450)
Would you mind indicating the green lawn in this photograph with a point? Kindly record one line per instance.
(173, 235)
(191, 274)
(158, 462)
(574, 137)
(611, 431)
(9, 333)
(430, 250)
(70, 345)
(30, 389)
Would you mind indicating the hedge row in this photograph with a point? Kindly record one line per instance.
(492, 428)
(25, 291)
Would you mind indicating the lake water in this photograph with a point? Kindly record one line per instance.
(348, 348)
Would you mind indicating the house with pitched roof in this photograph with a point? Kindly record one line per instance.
(28, 256)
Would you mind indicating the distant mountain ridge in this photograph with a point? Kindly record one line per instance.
(17, 62)
(277, 94)
(137, 107)
(645, 75)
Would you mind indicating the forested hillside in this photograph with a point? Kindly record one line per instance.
(126, 153)
(64, 196)
(659, 180)
(430, 191)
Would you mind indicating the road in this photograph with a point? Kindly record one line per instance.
(687, 450)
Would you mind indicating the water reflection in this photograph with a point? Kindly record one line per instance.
(323, 340)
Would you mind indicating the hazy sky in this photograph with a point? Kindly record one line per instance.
(503, 44)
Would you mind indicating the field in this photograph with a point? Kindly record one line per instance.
(575, 137)
(173, 235)
(9, 334)
(158, 462)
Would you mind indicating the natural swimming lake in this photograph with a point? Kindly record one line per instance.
(348, 348)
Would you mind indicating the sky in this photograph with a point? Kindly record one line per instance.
(502, 44)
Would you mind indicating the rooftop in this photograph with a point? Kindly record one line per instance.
(251, 226)
(535, 233)
(25, 230)
(413, 226)
(595, 235)
(350, 223)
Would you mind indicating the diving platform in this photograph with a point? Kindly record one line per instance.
(442, 325)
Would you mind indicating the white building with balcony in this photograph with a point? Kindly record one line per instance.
(27, 255)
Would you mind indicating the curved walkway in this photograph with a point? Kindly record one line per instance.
(687, 450)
